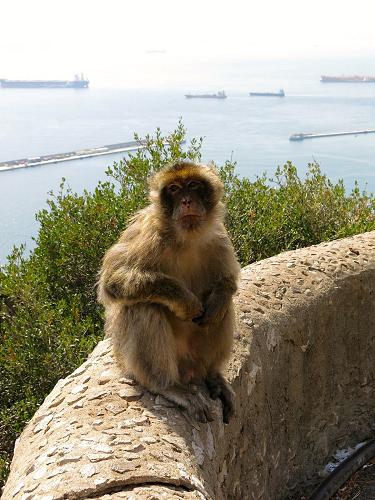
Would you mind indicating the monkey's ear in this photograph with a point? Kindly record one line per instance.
(153, 188)
(214, 178)
(154, 195)
(212, 167)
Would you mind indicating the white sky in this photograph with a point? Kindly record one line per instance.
(108, 39)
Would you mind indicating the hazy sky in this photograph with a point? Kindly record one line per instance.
(109, 39)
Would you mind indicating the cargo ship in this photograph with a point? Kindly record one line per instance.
(280, 93)
(347, 79)
(219, 95)
(79, 82)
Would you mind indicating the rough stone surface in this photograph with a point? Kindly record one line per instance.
(302, 368)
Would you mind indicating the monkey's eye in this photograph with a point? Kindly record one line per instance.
(194, 184)
(173, 188)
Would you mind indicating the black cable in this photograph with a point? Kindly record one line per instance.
(344, 471)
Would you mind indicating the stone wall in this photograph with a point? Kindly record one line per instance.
(303, 371)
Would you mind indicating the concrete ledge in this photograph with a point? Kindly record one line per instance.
(303, 370)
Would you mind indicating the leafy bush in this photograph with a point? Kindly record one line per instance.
(269, 216)
(49, 318)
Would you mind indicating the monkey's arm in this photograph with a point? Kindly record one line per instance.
(132, 285)
(225, 269)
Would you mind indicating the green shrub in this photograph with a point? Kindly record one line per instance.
(269, 216)
(49, 318)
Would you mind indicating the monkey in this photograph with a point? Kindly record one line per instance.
(167, 288)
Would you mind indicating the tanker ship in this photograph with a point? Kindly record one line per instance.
(280, 93)
(347, 79)
(220, 95)
(79, 82)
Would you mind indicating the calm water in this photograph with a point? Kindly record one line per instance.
(253, 130)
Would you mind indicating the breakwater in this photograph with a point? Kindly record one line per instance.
(73, 155)
(301, 137)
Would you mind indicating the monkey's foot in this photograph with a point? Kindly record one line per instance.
(219, 388)
(191, 400)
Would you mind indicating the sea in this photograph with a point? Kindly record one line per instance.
(252, 131)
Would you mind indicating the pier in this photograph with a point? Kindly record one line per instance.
(301, 137)
(120, 147)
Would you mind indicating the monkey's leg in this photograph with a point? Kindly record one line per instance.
(145, 347)
(221, 337)
(218, 387)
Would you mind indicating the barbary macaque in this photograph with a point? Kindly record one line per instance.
(167, 288)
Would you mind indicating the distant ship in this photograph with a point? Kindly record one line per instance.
(280, 93)
(220, 95)
(156, 51)
(347, 79)
(79, 82)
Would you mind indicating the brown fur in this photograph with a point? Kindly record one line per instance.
(157, 279)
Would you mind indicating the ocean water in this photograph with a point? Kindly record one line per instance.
(254, 131)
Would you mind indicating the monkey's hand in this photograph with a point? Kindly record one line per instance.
(218, 301)
(214, 310)
(188, 309)
(211, 315)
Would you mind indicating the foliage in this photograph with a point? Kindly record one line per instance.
(49, 318)
(269, 216)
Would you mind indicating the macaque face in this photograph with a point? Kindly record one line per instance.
(187, 201)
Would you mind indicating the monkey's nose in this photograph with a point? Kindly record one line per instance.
(186, 201)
